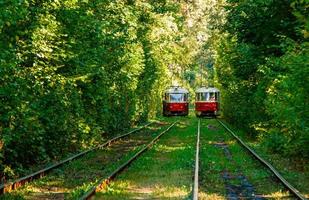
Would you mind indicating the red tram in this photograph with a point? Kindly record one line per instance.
(175, 101)
(207, 102)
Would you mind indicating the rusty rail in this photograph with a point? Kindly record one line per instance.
(13, 185)
(265, 163)
(103, 183)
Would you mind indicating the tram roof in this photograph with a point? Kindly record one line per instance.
(205, 89)
(176, 90)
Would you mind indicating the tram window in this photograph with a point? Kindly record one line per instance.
(176, 97)
(202, 96)
(212, 96)
(185, 97)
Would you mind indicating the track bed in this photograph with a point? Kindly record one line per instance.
(164, 169)
(164, 172)
(227, 171)
(73, 179)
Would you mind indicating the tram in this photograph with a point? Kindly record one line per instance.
(176, 101)
(207, 102)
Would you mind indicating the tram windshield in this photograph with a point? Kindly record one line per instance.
(177, 97)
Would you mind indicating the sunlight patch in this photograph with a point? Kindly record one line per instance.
(214, 196)
(169, 148)
(171, 192)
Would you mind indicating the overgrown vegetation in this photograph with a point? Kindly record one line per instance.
(74, 71)
(163, 172)
(228, 170)
(74, 179)
(262, 66)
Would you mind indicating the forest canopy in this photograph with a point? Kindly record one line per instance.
(74, 71)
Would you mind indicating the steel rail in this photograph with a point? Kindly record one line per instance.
(102, 183)
(195, 188)
(13, 185)
(267, 164)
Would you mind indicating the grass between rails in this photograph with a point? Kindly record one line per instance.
(24, 171)
(166, 171)
(163, 172)
(295, 171)
(71, 180)
(214, 162)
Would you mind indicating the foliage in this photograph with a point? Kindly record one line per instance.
(74, 71)
(262, 68)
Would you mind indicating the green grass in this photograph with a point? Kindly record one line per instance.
(296, 172)
(166, 170)
(163, 172)
(20, 172)
(214, 162)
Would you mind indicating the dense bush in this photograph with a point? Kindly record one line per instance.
(262, 67)
(72, 71)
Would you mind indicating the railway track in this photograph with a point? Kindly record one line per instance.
(237, 184)
(103, 183)
(197, 154)
(8, 187)
(232, 191)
